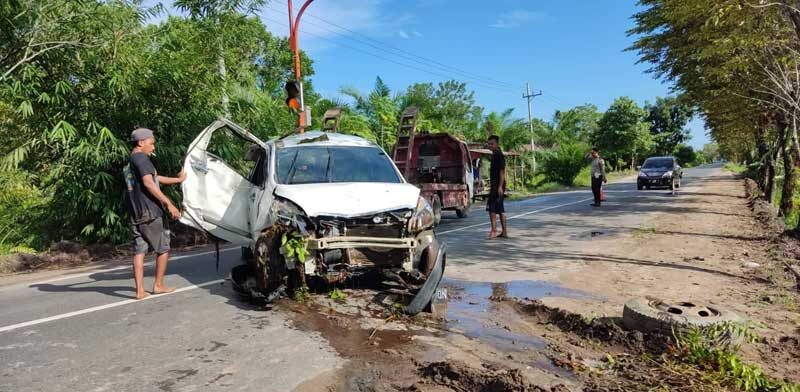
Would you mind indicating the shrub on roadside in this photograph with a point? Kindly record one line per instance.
(22, 210)
(563, 163)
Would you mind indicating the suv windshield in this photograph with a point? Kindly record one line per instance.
(658, 163)
(321, 164)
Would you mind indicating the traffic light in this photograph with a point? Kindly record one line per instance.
(293, 94)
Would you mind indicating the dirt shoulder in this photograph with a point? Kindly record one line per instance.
(707, 248)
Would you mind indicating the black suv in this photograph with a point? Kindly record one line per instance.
(660, 172)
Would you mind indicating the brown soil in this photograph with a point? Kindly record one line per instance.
(67, 254)
(702, 251)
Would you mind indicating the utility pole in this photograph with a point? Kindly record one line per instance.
(529, 97)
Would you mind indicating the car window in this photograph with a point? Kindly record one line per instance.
(658, 163)
(321, 164)
(232, 149)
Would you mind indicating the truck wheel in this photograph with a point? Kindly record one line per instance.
(463, 212)
(436, 204)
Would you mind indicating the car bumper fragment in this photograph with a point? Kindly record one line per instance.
(360, 242)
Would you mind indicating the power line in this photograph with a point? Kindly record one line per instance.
(402, 53)
(447, 76)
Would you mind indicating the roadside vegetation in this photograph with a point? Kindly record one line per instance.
(740, 70)
(76, 77)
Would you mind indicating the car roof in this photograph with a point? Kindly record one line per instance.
(664, 157)
(319, 138)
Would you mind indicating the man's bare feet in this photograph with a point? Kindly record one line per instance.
(492, 235)
(162, 289)
(142, 295)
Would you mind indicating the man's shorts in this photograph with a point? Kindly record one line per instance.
(495, 204)
(150, 234)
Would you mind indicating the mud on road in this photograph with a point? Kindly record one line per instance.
(561, 330)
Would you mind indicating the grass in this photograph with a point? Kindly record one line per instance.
(712, 349)
(541, 183)
(735, 167)
(337, 295)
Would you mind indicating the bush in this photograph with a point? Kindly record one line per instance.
(563, 163)
(22, 209)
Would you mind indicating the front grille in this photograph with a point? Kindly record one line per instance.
(380, 231)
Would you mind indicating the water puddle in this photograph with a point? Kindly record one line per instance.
(472, 309)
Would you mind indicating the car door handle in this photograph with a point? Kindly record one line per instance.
(200, 167)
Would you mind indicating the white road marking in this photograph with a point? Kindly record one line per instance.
(101, 271)
(515, 216)
(102, 307)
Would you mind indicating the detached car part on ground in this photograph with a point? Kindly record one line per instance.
(317, 205)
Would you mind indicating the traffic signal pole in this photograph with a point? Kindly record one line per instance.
(294, 23)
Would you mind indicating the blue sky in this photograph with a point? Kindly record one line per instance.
(572, 50)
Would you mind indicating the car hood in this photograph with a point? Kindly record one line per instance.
(350, 199)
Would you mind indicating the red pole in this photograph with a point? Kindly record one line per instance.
(294, 24)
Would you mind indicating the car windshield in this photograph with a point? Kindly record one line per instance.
(659, 163)
(322, 164)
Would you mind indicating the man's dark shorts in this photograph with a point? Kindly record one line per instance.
(150, 234)
(495, 204)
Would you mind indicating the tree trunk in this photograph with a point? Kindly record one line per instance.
(786, 205)
(769, 190)
(762, 151)
(223, 72)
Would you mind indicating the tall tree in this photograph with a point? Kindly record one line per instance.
(578, 123)
(216, 13)
(668, 118)
(623, 132)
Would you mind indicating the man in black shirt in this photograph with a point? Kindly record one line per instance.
(147, 203)
(497, 181)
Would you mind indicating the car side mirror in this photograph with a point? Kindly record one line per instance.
(639, 167)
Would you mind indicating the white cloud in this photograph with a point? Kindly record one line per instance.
(417, 34)
(403, 34)
(516, 18)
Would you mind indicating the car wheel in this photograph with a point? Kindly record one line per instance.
(423, 297)
(647, 187)
(269, 266)
(436, 205)
(654, 315)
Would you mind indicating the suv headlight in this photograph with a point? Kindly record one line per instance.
(667, 174)
(422, 217)
(641, 174)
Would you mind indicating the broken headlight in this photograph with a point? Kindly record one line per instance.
(422, 218)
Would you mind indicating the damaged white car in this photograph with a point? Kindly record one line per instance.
(317, 205)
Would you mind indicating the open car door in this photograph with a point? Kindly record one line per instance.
(216, 198)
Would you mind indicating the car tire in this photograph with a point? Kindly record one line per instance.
(423, 297)
(268, 264)
(436, 205)
(647, 187)
(653, 315)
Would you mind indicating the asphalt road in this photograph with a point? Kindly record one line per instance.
(83, 331)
